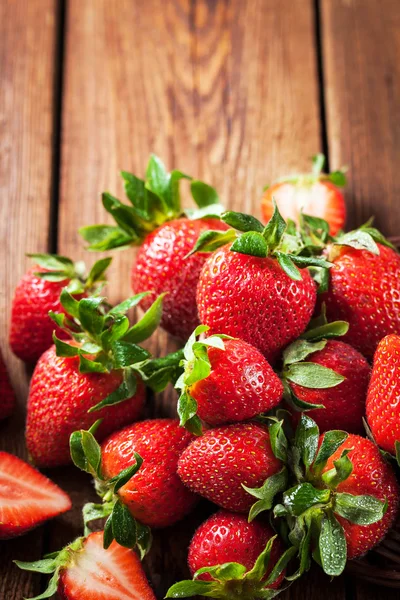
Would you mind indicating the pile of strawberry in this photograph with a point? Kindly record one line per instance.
(279, 324)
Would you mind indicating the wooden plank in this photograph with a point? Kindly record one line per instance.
(361, 48)
(217, 90)
(26, 130)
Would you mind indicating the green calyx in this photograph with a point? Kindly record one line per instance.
(310, 507)
(278, 239)
(338, 177)
(120, 526)
(53, 564)
(296, 369)
(104, 340)
(152, 201)
(232, 581)
(196, 367)
(60, 268)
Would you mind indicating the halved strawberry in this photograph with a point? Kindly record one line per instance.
(27, 498)
(86, 571)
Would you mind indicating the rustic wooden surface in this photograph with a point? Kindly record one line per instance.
(235, 92)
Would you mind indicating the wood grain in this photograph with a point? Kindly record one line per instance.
(26, 155)
(361, 49)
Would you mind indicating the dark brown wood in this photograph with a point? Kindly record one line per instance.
(27, 44)
(361, 48)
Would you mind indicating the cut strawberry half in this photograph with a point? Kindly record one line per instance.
(86, 571)
(27, 498)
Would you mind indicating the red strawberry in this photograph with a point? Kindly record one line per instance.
(228, 379)
(316, 194)
(229, 537)
(231, 558)
(371, 476)
(364, 290)
(154, 495)
(37, 293)
(344, 403)
(27, 498)
(155, 221)
(58, 403)
(7, 401)
(161, 266)
(252, 298)
(383, 399)
(218, 463)
(86, 571)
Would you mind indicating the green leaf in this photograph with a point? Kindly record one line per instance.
(300, 349)
(126, 353)
(332, 440)
(89, 316)
(312, 375)
(187, 408)
(267, 492)
(144, 328)
(137, 194)
(213, 211)
(118, 328)
(332, 546)
(97, 271)
(306, 439)
(105, 237)
(251, 243)
(261, 565)
(54, 262)
(157, 177)
(123, 307)
(93, 512)
(280, 565)
(361, 510)
(144, 539)
(338, 178)
(225, 572)
(203, 194)
(342, 470)
(186, 589)
(318, 161)
(303, 496)
(211, 240)
(358, 239)
(91, 366)
(377, 236)
(298, 404)
(278, 440)
(310, 261)
(123, 215)
(321, 278)
(274, 229)
(288, 266)
(327, 331)
(242, 222)
(125, 391)
(108, 535)
(126, 474)
(45, 565)
(123, 526)
(69, 303)
(51, 588)
(63, 348)
(92, 453)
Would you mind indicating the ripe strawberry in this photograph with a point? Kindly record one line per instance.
(84, 570)
(364, 289)
(225, 381)
(162, 265)
(218, 464)
(342, 402)
(383, 406)
(7, 401)
(100, 370)
(155, 495)
(60, 397)
(155, 221)
(27, 498)
(315, 194)
(37, 293)
(248, 552)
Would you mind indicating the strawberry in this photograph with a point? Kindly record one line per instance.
(155, 221)
(383, 406)
(252, 288)
(138, 490)
(7, 402)
(100, 370)
(27, 498)
(219, 463)
(343, 500)
(326, 377)
(84, 570)
(225, 380)
(315, 194)
(38, 292)
(229, 557)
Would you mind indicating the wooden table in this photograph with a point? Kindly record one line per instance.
(236, 92)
